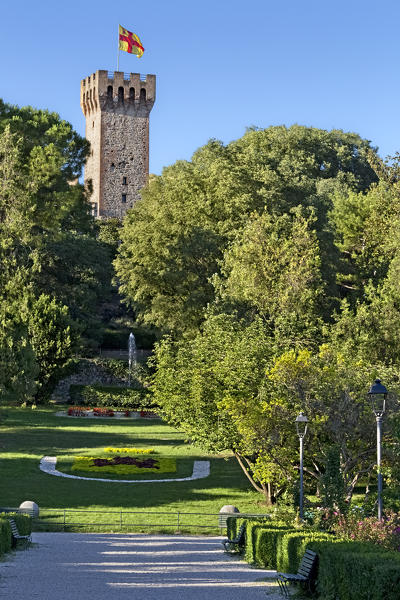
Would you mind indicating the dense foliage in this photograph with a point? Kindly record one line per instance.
(174, 240)
(272, 264)
(54, 272)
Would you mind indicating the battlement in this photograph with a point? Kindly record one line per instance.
(118, 91)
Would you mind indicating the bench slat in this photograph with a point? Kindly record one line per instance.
(15, 533)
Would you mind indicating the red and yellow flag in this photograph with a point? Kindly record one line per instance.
(129, 42)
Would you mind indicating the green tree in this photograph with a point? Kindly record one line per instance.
(273, 268)
(51, 336)
(52, 266)
(173, 240)
(196, 380)
(333, 486)
(18, 365)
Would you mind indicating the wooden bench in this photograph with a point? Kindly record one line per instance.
(305, 574)
(236, 543)
(17, 537)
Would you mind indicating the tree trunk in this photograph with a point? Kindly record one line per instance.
(264, 488)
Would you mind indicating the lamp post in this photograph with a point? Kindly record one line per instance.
(377, 395)
(301, 428)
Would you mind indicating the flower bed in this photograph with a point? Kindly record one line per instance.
(124, 465)
(103, 412)
(129, 450)
(84, 411)
(77, 411)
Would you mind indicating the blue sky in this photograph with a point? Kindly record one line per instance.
(221, 65)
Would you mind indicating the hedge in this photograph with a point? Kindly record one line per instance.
(5, 535)
(292, 546)
(262, 541)
(233, 523)
(349, 570)
(110, 396)
(24, 526)
(356, 571)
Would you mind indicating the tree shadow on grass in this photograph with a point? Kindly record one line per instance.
(35, 434)
(23, 480)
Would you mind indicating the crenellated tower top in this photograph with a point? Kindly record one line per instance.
(122, 93)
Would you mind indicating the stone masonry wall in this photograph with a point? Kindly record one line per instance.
(88, 373)
(125, 158)
(117, 107)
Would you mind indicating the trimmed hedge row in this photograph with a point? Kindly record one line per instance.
(5, 535)
(292, 546)
(233, 523)
(356, 571)
(347, 570)
(24, 525)
(262, 544)
(110, 396)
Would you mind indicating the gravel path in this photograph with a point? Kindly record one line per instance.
(73, 566)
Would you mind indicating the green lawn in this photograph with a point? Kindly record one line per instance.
(27, 435)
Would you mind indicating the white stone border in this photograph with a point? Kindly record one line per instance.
(201, 469)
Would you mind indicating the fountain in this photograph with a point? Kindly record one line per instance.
(132, 355)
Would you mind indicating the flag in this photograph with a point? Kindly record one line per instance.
(129, 42)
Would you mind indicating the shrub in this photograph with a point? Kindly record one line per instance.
(385, 533)
(356, 571)
(23, 521)
(262, 542)
(332, 482)
(5, 535)
(111, 396)
(234, 522)
(291, 547)
(231, 527)
(24, 525)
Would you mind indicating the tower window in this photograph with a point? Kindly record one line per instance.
(124, 181)
(110, 91)
(131, 93)
(124, 198)
(121, 94)
(143, 94)
(112, 167)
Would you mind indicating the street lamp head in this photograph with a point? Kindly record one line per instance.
(377, 395)
(301, 425)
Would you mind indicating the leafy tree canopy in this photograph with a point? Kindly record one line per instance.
(51, 262)
(174, 239)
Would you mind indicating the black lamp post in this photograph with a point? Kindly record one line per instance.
(301, 428)
(377, 395)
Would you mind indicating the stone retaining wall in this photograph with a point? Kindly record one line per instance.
(88, 373)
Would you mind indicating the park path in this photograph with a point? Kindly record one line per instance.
(73, 566)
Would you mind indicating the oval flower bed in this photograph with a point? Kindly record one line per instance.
(124, 465)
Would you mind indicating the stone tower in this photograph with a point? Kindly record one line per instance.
(117, 108)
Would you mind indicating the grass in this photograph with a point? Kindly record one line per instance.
(28, 435)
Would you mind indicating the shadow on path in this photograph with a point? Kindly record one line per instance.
(73, 566)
